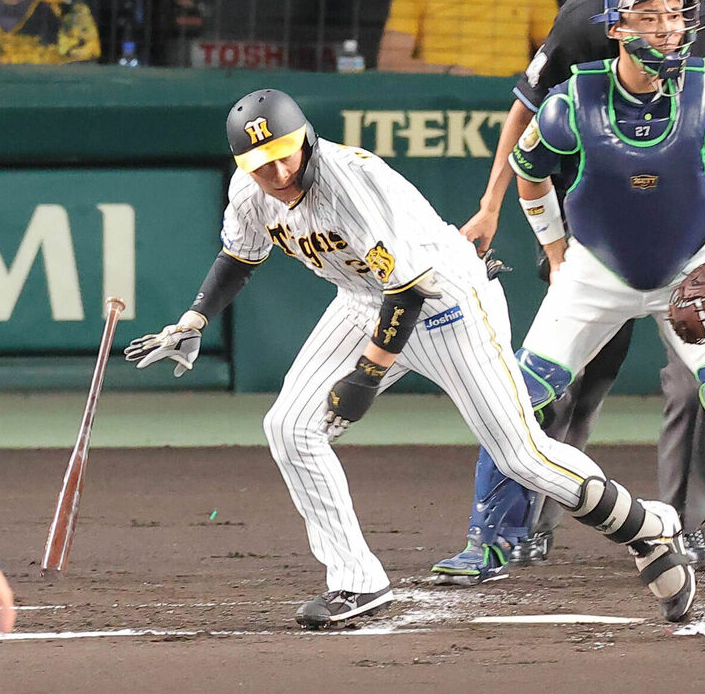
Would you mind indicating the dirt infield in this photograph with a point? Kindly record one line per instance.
(147, 556)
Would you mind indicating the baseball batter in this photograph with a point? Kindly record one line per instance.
(413, 295)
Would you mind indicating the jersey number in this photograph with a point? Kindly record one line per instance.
(358, 265)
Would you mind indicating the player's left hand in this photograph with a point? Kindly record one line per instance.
(180, 342)
(352, 395)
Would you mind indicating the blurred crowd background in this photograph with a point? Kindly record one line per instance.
(451, 36)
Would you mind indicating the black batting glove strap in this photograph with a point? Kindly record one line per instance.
(353, 394)
(224, 280)
(397, 320)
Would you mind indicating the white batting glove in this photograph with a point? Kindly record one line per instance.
(180, 342)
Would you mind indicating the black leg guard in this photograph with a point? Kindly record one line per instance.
(609, 508)
(653, 533)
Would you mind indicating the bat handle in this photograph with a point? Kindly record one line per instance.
(115, 303)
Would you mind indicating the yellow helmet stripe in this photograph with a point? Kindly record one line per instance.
(283, 146)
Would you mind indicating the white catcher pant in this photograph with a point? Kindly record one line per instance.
(471, 359)
(587, 304)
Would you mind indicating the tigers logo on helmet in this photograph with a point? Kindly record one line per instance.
(258, 130)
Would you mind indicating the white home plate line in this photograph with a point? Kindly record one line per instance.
(423, 610)
(48, 635)
(157, 605)
(120, 633)
(557, 619)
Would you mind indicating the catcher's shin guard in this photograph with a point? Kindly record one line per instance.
(500, 511)
(653, 533)
(501, 506)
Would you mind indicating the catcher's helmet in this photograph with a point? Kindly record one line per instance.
(666, 66)
(266, 125)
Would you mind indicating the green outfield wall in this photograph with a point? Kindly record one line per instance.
(113, 181)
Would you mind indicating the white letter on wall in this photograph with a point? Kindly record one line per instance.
(119, 267)
(49, 231)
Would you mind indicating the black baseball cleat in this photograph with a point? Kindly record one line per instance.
(663, 565)
(695, 548)
(338, 605)
(532, 549)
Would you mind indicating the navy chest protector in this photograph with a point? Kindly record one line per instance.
(638, 205)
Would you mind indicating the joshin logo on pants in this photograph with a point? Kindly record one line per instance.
(440, 319)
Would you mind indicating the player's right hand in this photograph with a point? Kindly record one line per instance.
(7, 612)
(480, 230)
(177, 342)
(180, 342)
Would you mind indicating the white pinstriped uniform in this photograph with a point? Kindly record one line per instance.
(355, 202)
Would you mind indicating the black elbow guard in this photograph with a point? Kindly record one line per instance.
(224, 280)
(397, 319)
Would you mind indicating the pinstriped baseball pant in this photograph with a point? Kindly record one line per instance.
(471, 359)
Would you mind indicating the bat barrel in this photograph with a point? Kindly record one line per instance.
(63, 523)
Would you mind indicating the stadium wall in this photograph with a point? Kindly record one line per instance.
(113, 182)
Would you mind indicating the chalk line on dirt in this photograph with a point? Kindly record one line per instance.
(422, 611)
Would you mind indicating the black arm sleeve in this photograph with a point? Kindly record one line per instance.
(397, 319)
(224, 280)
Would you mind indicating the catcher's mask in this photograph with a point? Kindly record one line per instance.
(668, 68)
(266, 125)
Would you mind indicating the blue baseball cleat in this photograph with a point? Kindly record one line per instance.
(478, 563)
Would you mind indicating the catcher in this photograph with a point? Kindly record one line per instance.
(628, 133)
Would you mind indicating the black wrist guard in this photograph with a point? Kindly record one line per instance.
(367, 373)
(224, 280)
(353, 394)
(397, 319)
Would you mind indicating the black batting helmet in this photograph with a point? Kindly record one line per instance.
(266, 125)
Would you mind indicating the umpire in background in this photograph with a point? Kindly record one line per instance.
(681, 449)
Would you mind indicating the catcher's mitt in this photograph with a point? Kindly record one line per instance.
(686, 311)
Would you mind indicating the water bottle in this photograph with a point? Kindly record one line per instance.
(349, 60)
(129, 20)
(128, 58)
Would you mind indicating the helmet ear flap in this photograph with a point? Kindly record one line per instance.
(311, 136)
(311, 152)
